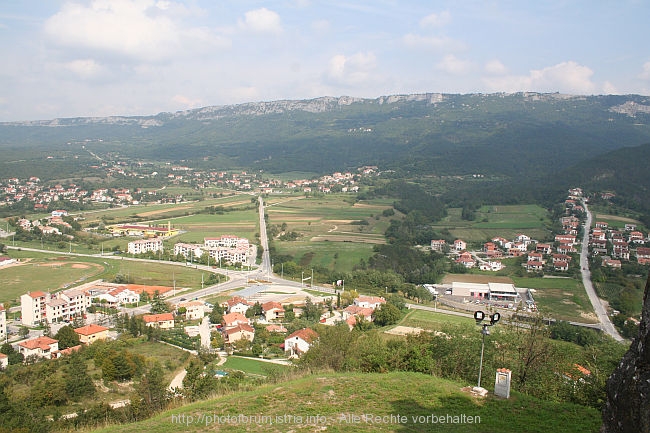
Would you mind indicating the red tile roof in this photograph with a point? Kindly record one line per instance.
(150, 318)
(90, 329)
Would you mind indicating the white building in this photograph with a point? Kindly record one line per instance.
(66, 305)
(194, 310)
(32, 307)
(299, 342)
(187, 250)
(145, 245)
(369, 301)
(42, 347)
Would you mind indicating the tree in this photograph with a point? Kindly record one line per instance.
(312, 311)
(67, 337)
(387, 314)
(152, 390)
(78, 382)
(23, 331)
(13, 357)
(216, 315)
(254, 311)
(158, 305)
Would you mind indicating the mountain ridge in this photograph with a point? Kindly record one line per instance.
(316, 105)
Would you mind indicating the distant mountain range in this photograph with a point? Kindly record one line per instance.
(519, 134)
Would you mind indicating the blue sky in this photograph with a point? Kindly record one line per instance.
(139, 57)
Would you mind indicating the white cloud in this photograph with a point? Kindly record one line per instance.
(139, 29)
(84, 68)
(436, 20)
(453, 65)
(351, 70)
(565, 77)
(261, 21)
(645, 74)
(495, 67)
(119, 26)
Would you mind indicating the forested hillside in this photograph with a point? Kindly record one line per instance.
(514, 135)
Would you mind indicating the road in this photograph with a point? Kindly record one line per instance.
(606, 324)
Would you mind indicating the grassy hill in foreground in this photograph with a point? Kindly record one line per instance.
(334, 400)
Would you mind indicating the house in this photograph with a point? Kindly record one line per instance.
(561, 258)
(492, 265)
(90, 333)
(643, 255)
(230, 320)
(438, 245)
(611, 263)
(544, 248)
(561, 265)
(565, 239)
(534, 265)
(355, 311)
(601, 225)
(237, 304)
(276, 328)
(566, 249)
(124, 296)
(636, 237)
(534, 256)
(369, 301)
(299, 342)
(466, 260)
(162, 321)
(194, 310)
(272, 310)
(522, 238)
(41, 347)
(460, 245)
(240, 332)
(4, 361)
(67, 351)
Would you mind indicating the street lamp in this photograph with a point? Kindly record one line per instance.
(479, 316)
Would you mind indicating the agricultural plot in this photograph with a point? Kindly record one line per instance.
(196, 227)
(491, 221)
(150, 212)
(333, 233)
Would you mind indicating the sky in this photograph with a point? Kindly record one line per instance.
(73, 58)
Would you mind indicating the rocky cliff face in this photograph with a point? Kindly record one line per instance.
(628, 388)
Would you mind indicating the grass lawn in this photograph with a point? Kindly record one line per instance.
(396, 402)
(431, 320)
(251, 366)
(53, 272)
(560, 298)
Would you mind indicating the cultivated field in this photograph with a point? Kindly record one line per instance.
(333, 232)
(491, 221)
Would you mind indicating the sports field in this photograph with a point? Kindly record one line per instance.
(44, 272)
